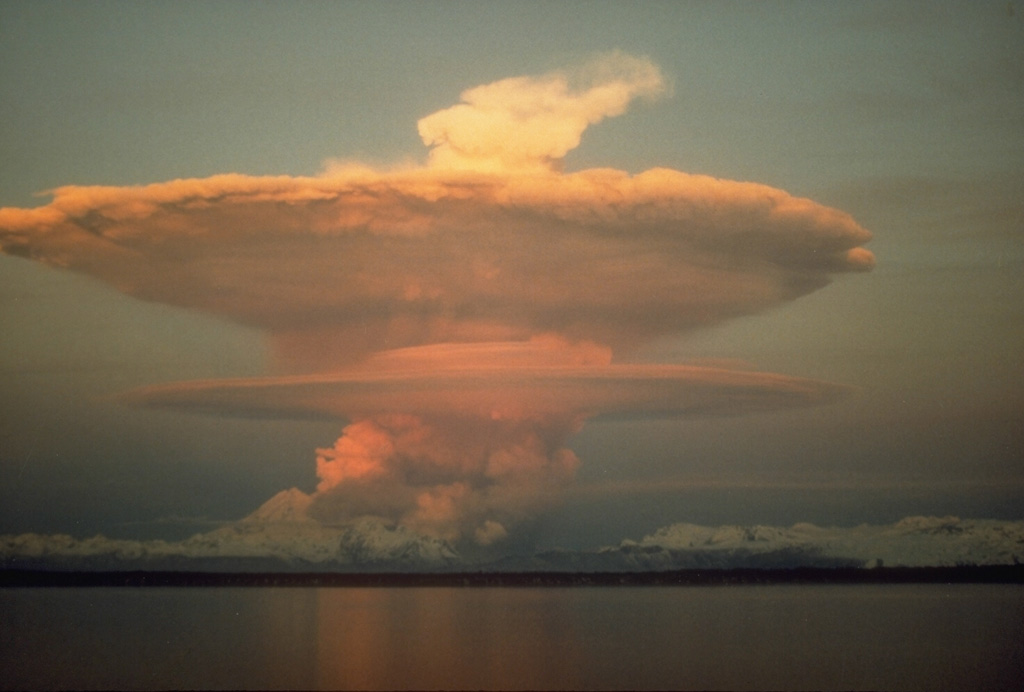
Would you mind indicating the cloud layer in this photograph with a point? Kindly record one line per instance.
(484, 382)
(467, 440)
(336, 268)
(356, 260)
(468, 315)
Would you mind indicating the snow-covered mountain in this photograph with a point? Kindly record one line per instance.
(281, 536)
(287, 506)
(912, 542)
(278, 535)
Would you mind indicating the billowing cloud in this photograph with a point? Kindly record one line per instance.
(338, 267)
(468, 315)
(532, 122)
(344, 264)
(479, 444)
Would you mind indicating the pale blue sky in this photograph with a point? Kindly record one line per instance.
(908, 116)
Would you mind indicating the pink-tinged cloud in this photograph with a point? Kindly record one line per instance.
(337, 268)
(476, 246)
(443, 477)
(478, 381)
(468, 315)
(466, 440)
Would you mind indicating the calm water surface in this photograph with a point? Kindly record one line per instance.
(768, 637)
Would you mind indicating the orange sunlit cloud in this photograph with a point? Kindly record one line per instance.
(480, 381)
(466, 439)
(354, 262)
(468, 315)
(487, 248)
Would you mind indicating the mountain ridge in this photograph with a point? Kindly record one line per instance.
(281, 539)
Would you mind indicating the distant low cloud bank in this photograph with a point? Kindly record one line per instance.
(276, 538)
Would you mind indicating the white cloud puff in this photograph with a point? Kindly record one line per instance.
(532, 122)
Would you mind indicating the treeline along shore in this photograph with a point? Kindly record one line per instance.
(994, 574)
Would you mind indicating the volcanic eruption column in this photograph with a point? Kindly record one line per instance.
(467, 316)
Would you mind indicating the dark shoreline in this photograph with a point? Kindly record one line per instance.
(988, 574)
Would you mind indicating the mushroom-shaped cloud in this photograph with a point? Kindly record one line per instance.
(485, 291)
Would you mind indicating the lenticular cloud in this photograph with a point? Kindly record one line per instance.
(466, 316)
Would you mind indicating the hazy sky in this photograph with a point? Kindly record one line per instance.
(907, 117)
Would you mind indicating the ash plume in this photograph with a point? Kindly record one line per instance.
(463, 318)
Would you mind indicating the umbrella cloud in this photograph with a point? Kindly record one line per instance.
(465, 316)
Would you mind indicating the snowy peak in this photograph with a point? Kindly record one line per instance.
(287, 506)
(280, 536)
(367, 542)
(370, 541)
(687, 536)
(911, 542)
(256, 543)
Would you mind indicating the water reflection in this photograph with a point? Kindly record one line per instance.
(909, 637)
(445, 638)
(775, 637)
(156, 638)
